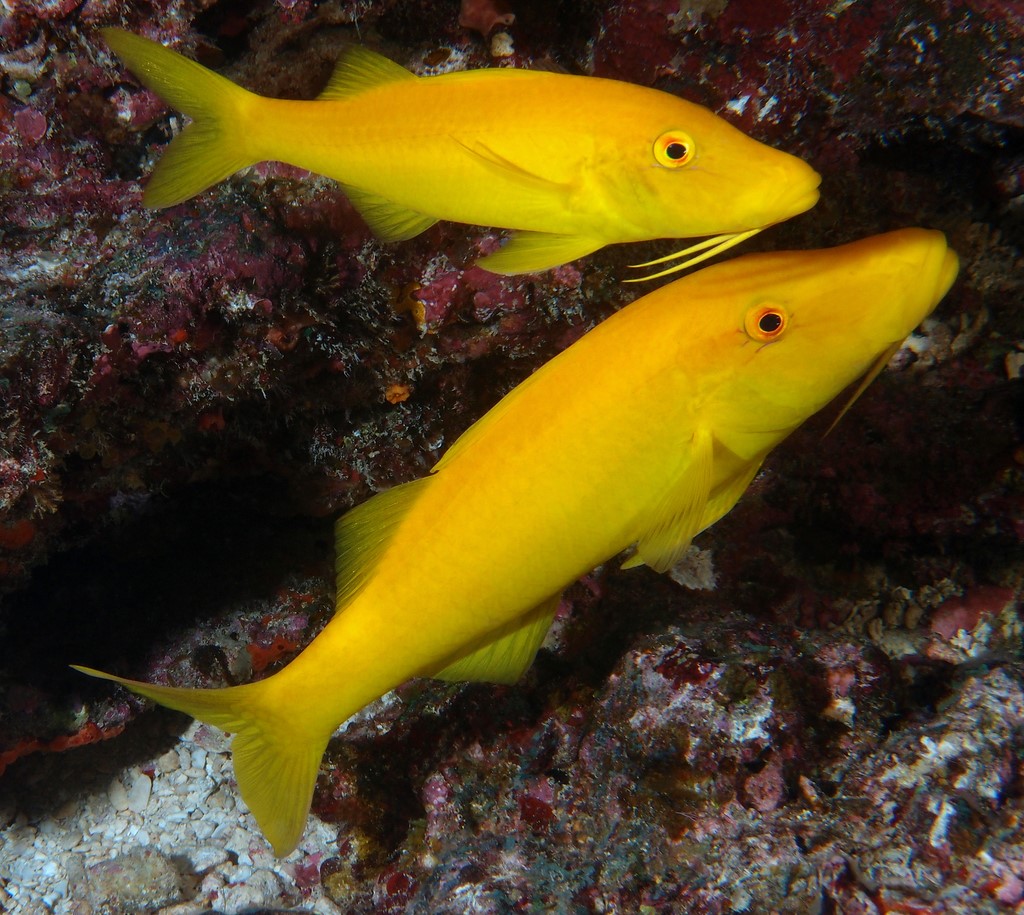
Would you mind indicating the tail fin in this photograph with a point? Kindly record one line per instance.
(214, 145)
(276, 759)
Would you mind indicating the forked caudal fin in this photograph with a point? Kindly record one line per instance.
(209, 149)
(276, 761)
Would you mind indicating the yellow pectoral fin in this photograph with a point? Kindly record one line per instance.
(678, 516)
(506, 658)
(504, 170)
(387, 220)
(359, 69)
(531, 252)
(276, 752)
(726, 496)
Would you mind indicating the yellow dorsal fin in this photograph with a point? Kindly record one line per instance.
(362, 535)
(679, 515)
(489, 420)
(388, 220)
(506, 658)
(359, 69)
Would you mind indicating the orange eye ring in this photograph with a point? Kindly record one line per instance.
(766, 322)
(674, 148)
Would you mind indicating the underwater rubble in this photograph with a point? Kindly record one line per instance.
(832, 720)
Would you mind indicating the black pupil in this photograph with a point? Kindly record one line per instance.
(769, 322)
(675, 150)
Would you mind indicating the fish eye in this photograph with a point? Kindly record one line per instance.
(673, 149)
(765, 322)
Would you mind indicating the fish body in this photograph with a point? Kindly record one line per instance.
(641, 434)
(572, 163)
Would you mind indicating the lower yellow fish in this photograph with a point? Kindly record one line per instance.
(641, 434)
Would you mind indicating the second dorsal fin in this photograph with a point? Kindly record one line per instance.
(362, 534)
(359, 69)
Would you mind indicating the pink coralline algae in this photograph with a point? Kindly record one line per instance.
(484, 16)
(963, 614)
(188, 398)
(781, 65)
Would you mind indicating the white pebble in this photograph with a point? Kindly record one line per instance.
(49, 828)
(204, 829)
(169, 762)
(118, 795)
(211, 884)
(138, 796)
(221, 832)
(67, 809)
(259, 887)
(60, 889)
(184, 757)
(209, 856)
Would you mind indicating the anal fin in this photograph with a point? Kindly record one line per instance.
(506, 658)
(532, 252)
(388, 220)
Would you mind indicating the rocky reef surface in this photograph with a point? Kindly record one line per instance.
(824, 711)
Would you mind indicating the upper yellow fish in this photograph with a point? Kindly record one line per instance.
(642, 433)
(572, 163)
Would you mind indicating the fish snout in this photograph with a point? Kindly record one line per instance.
(921, 267)
(948, 270)
(781, 190)
(798, 191)
(938, 269)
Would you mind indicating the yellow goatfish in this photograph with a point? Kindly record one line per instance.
(642, 433)
(572, 163)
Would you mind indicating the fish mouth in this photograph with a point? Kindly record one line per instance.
(947, 273)
(806, 200)
(709, 247)
(694, 254)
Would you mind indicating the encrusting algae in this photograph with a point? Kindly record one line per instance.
(570, 163)
(641, 434)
